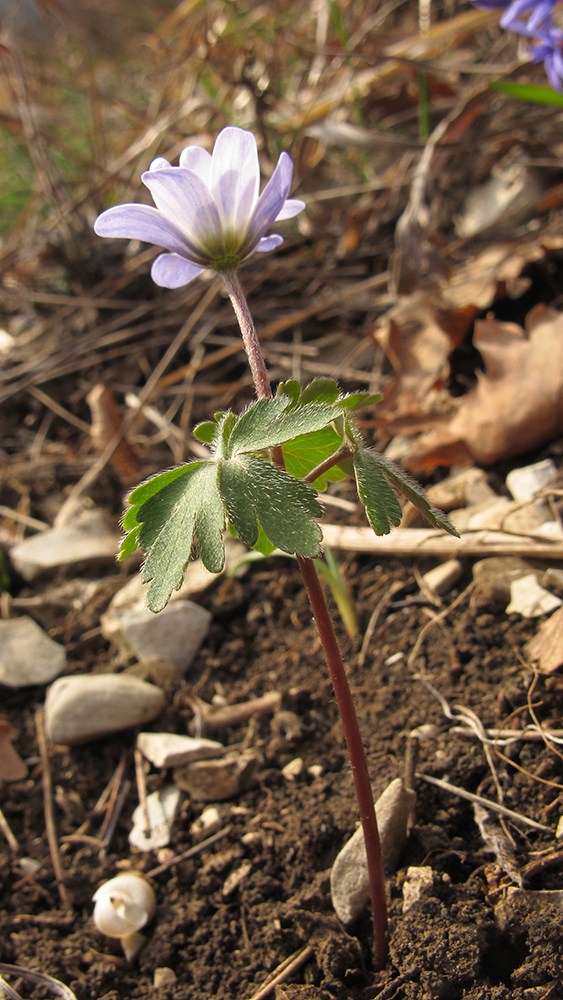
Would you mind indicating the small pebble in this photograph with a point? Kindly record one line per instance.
(160, 812)
(294, 769)
(235, 879)
(527, 482)
(88, 540)
(89, 706)
(163, 976)
(176, 632)
(418, 883)
(349, 880)
(530, 600)
(206, 824)
(170, 750)
(217, 780)
(27, 654)
(442, 578)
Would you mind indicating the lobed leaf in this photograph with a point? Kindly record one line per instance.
(187, 508)
(130, 523)
(413, 492)
(320, 390)
(257, 493)
(305, 452)
(382, 507)
(358, 400)
(270, 422)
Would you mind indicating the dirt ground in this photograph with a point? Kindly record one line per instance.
(449, 945)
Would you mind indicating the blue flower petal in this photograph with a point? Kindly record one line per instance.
(198, 160)
(269, 243)
(172, 271)
(235, 178)
(272, 199)
(183, 199)
(292, 207)
(140, 222)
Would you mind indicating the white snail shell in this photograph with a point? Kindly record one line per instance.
(124, 904)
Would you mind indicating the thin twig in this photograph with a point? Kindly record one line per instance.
(284, 971)
(190, 853)
(50, 824)
(140, 778)
(486, 803)
(5, 828)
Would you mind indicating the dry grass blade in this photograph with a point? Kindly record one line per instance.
(39, 978)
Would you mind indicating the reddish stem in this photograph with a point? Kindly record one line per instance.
(334, 660)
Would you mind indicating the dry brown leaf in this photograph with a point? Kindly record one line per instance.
(106, 422)
(547, 645)
(12, 767)
(517, 404)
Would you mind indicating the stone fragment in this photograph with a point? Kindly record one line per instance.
(494, 576)
(206, 824)
(418, 883)
(527, 482)
(27, 654)
(87, 707)
(176, 632)
(12, 767)
(163, 976)
(235, 879)
(502, 514)
(157, 670)
(294, 769)
(464, 488)
(442, 578)
(152, 829)
(546, 647)
(170, 750)
(217, 780)
(530, 600)
(349, 880)
(88, 540)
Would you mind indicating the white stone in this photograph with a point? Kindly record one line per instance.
(87, 540)
(170, 750)
(86, 707)
(294, 769)
(526, 483)
(160, 813)
(443, 577)
(206, 824)
(236, 878)
(176, 632)
(349, 880)
(27, 654)
(418, 883)
(217, 780)
(163, 976)
(530, 600)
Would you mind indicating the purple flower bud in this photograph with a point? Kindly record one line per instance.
(532, 19)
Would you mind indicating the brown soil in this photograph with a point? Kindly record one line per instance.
(449, 945)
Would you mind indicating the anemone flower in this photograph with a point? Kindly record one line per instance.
(533, 20)
(208, 212)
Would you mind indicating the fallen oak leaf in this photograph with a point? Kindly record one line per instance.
(517, 404)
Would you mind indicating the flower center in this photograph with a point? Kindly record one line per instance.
(226, 263)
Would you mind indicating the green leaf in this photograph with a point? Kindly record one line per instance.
(188, 507)
(382, 507)
(130, 523)
(307, 451)
(256, 492)
(413, 492)
(528, 92)
(205, 431)
(320, 390)
(269, 422)
(358, 400)
(291, 389)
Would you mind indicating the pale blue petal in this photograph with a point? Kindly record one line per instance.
(272, 199)
(159, 163)
(293, 206)
(235, 177)
(269, 243)
(198, 160)
(140, 222)
(182, 197)
(171, 271)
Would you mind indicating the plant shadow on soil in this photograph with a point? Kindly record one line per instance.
(221, 945)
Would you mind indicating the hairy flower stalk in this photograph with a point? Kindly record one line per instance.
(209, 214)
(334, 661)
